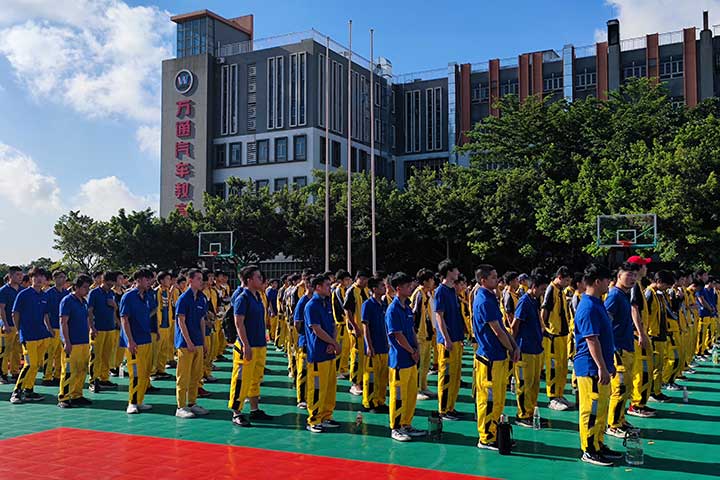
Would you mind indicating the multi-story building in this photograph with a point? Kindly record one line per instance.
(235, 106)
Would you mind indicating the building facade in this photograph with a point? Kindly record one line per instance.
(234, 106)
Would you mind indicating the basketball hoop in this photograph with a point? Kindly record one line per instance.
(624, 243)
(213, 253)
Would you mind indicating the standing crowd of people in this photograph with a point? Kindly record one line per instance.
(627, 335)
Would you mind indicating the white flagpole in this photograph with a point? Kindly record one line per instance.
(349, 153)
(327, 154)
(372, 155)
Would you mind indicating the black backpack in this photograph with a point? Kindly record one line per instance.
(228, 325)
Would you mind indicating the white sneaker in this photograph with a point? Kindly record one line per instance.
(566, 402)
(198, 410)
(184, 412)
(400, 435)
(556, 404)
(422, 396)
(132, 408)
(354, 390)
(144, 407)
(413, 432)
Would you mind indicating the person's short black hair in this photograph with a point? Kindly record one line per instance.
(483, 271)
(14, 269)
(38, 271)
(284, 277)
(57, 273)
(375, 282)
(594, 271)
(142, 273)
(162, 275)
(446, 266)
(400, 278)
(97, 273)
(247, 272)
(664, 276)
(273, 280)
(700, 273)
(82, 280)
(181, 279)
(563, 272)
(342, 275)
(577, 278)
(26, 278)
(510, 276)
(328, 274)
(538, 279)
(424, 274)
(462, 278)
(318, 280)
(191, 274)
(307, 272)
(111, 276)
(362, 273)
(628, 267)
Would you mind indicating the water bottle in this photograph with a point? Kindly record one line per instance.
(537, 423)
(504, 434)
(358, 422)
(512, 384)
(121, 371)
(715, 355)
(633, 448)
(685, 395)
(435, 426)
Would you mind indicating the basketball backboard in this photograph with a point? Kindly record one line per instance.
(622, 231)
(215, 244)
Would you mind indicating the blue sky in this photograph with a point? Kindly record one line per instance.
(78, 133)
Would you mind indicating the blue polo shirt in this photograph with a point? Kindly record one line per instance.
(7, 298)
(299, 317)
(486, 309)
(103, 314)
(591, 319)
(253, 308)
(446, 301)
(165, 307)
(272, 295)
(54, 296)
(529, 337)
(152, 298)
(618, 306)
(710, 298)
(399, 318)
(137, 310)
(316, 312)
(236, 294)
(194, 309)
(373, 315)
(32, 307)
(77, 313)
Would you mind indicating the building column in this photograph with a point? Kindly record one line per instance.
(690, 67)
(601, 59)
(707, 88)
(524, 76)
(613, 57)
(568, 72)
(494, 75)
(652, 57)
(453, 74)
(537, 74)
(465, 91)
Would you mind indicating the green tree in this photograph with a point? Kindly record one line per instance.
(81, 240)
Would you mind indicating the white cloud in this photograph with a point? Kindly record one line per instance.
(101, 198)
(33, 201)
(23, 185)
(102, 58)
(148, 138)
(640, 17)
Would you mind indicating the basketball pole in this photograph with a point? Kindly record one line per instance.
(349, 152)
(327, 155)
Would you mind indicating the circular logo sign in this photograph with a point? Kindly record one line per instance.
(183, 81)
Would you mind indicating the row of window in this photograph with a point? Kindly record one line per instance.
(221, 189)
(359, 160)
(194, 37)
(258, 152)
(433, 120)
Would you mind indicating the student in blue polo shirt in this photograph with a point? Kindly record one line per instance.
(450, 334)
(9, 357)
(301, 351)
(619, 309)
(322, 349)
(403, 358)
(491, 357)
(30, 316)
(527, 331)
(136, 306)
(375, 372)
(189, 341)
(594, 366)
(75, 336)
(101, 312)
(250, 349)
(54, 294)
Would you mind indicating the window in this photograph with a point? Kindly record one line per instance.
(300, 182)
(323, 155)
(232, 100)
(280, 183)
(224, 95)
(252, 153)
(672, 67)
(634, 70)
(438, 118)
(363, 161)
(365, 102)
(586, 80)
(336, 154)
(355, 119)
(195, 37)
(235, 154)
(300, 148)
(322, 78)
(378, 95)
(412, 121)
(218, 190)
(275, 92)
(281, 153)
(354, 160)
(298, 88)
(480, 93)
(220, 161)
(553, 83)
(259, 184)
(393, 102)
(433, 118)
(509, 88)
(336, 113)
(263, 151)
(252, 97)
(392, 136)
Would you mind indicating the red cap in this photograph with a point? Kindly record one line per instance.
(638, 260)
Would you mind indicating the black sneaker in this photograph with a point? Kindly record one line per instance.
(108, 384)
(451, 416)
(16, 398)
(241, 420)
(330, 424)
(260, 416)
(81, 401)
(524, 422)
(114, 372)
(64, 404)
(596, 459)
(171, 364)
(488, 446)
(315, 428)
(606, 452)
(30, 396)
(95, 387)
(4, 380)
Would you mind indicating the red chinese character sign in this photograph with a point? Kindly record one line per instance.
(182, 191)
(182, 148)
(183, 169)
(184, 108)
(181, 208)
(183, 129)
